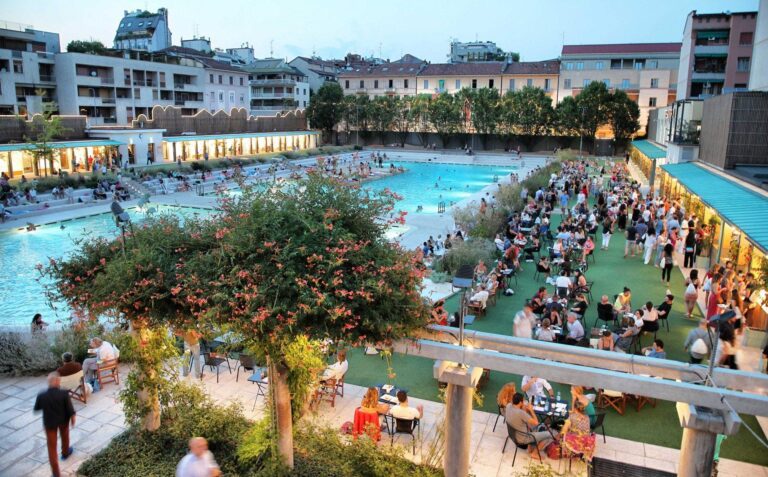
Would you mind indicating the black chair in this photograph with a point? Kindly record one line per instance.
(247, 363)
(599, 423)
(212, 360)
(501, 414)
(540, 272)
(512, 434)
(665, 320)
(606, 314)
(404, 426)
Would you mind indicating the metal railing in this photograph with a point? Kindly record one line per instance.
(441, 207)
(48, 78)
(272, 81)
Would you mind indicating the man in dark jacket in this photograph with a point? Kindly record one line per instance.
(58, 415)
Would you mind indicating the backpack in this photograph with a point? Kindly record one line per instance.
(699, 347)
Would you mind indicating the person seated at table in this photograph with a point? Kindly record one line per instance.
(337, 370)
(480, 271)
(580, 307)
(439, 315)
(69, 365)
(521, 417)
(663, 311)
(534, 386)
(563, 284)
(623, 303)
(480, 298)
(605, 342)
(544, 267)
(577, 437)
(580, 282)
(656, 350)
(558, 249)
(403, 410)
(577, 395)
(506, 393)
(499, 243)
(371, 402)
(539, 301)
(534, 246)
(575, 330)
(545, 332)
(604, 308)
(650, 318)
(623, 342)
(103, 351)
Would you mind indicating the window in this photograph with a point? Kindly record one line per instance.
(652, 64)
(474, 84)
(598, 65)
(567, 83)
(362, 84)
(305, 91)
(221, 96)
(210, 78)
(242, 98)
(231, 97)
(742, 64)
(405, 83)
(241, 81)
(457, 84)
(231, 80)
(569, 66)
(639, 64)
(579, 65)
(740, 86)
(512, 84)
(547, 84)
(213, 96)
(607, 83)
(346, 84)
(18, 66)
(745, 38)
(441, 85)
(529, 82)
(652, 102)
(375, 84)
(654, 82)
(586, 82)
(391, 84)
(221, 79)
(625, 84)
(136, 93)
(426, 84)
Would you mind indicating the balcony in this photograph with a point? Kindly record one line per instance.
(710, 50)
(272, 95)
(272, 81)
(47, 78)
(718, 77)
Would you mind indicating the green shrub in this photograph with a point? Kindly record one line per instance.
(26, 354)
(440, 277)
(74, 339)
(468, 252)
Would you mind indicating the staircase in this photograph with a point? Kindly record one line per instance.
(135, 188)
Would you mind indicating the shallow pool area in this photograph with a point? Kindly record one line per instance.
(21, 294)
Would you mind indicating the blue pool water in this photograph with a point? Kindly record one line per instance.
(425, 184)
(21, 296)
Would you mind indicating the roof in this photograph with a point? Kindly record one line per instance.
(622, 48)
(272, 65)
(744, 208)
(649, 149)
(549, 67)
(464, 69)
(25, 146)
(132, 24)
(408, 58)
(387, 69)
(202, 57)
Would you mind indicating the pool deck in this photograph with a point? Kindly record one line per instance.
(24, 451)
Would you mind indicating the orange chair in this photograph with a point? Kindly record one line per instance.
(108, 372)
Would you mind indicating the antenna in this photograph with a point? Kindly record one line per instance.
(380, 56)
(271, 49)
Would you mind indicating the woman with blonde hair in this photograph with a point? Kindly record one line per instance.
(371, 402)
(367, 419)
(577, 395)
(505, 394)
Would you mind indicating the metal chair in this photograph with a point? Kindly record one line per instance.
(212, 360)
(512, 434)
(501, 414)
(245, 362)
(262, 386)
(404, 426)
(599, 423)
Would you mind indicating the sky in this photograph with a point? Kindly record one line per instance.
(386, 28)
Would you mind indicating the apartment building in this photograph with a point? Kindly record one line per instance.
(276, 86)
(403, 79)
(758, 76)
(647, 72)
(27, 79)
(716, 55)
(317, 70)
(116, 89)
(144, 31)
(477, 51)
(224, 86)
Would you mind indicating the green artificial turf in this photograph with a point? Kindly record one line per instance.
(610, 273)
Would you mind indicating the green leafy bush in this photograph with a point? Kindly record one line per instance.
(74, 339)
(468, 253)
(25, 353)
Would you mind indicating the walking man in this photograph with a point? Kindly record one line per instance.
(58, 415)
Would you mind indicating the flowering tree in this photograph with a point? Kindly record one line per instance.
(310, 259)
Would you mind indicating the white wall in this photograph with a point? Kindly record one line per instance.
(758, 78)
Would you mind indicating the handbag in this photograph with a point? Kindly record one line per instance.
(699, 347)
(554, 451)
(663, 262)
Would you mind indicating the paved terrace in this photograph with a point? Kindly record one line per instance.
(24, 451)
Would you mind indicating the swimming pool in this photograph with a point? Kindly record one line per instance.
(428, 184)
(21, 295)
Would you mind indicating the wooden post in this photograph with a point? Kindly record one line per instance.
(458, 415)
(700, 429)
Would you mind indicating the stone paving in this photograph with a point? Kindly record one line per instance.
(24, 453)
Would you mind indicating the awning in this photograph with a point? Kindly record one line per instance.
(25, 146)
(649, 150)
(213, 137)
(711, 55)
(744, 208)
(712, 34)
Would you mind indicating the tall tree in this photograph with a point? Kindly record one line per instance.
(404, 119)
(624, 114)
(568, 117)
(45, 128)
(531, 113)
(85, 46)
(594, 108)
(420, 115)
(485, 112)
(325, 107)
(446, 116)
(383, 113)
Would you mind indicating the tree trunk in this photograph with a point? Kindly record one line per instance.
(281, 398)
(148, 397)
